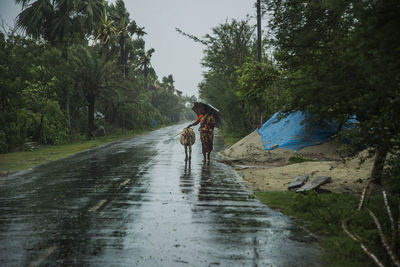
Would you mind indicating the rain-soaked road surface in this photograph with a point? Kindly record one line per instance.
(136, 203)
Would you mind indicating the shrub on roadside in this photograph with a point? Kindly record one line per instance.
(323, 214)
(3, 142)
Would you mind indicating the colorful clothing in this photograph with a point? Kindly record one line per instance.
(207, 123)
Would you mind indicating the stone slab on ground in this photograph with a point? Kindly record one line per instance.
(314, 183)
(298, 181)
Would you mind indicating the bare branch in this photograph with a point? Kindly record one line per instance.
(398, 220)
(357, 238)
(346, 229)
(388, 209)
(384, 241)
(371, 256)
(194, 38)
(363, 195)
(389, 212)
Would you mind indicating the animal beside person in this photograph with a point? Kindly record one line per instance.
(188, 137)
(207, 123)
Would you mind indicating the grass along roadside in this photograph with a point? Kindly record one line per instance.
(17, 161)
(230, 137)
(323, 214)
(298, 158)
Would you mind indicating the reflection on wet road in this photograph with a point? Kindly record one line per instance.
(137, 203)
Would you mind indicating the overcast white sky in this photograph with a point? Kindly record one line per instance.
(174, 53)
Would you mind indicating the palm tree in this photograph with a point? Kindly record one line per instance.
(59, 21)
(93, 12)
(168, 83)
(94, 75)
(35, 18)
(105, 30)
(145, 63)
(125, 29)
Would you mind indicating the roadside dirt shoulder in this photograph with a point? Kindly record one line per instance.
(269, 170)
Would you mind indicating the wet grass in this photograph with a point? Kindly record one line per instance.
(323, 214)
(17, 161)
(298, 158)
(231, 137)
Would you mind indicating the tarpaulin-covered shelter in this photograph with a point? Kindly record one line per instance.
(292, 134)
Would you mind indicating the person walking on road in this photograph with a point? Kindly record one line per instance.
(207, 123)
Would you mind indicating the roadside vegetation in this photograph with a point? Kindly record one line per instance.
(31, 156)
(335, 60)
(77, 69)
(298, 158)
(323, 215)
(332, 59)
(230, 137)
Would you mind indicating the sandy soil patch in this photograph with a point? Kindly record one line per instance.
(250, 150)
(270, 170)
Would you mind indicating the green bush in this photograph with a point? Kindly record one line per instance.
(393, 174)
(3, 142)
(324, 213)
(55, 124)
(298, 158)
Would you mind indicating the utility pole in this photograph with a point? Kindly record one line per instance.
(259, 44)
(259, 30)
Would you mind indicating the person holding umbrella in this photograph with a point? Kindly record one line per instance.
(208, 117)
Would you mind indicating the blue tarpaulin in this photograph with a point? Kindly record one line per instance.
(291, 134)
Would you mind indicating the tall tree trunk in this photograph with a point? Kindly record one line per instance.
(145, 73)
(42, 131)
(259, 45)
(67, 110)
(126, 61)
(121, 59)
(340, 126)
(379, 163)
(66, 87)
(91, 100)
(259, 30)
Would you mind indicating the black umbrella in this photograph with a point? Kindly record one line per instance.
(199, 107)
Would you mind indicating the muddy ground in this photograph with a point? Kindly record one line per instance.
(270, 170)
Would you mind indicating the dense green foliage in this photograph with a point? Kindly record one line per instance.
(230, 46)
(84, 63)
(332, 59)
(340, 59)
(80, 65)
(323, 214)
(257, 89)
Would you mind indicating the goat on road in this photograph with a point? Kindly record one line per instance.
(188, 137)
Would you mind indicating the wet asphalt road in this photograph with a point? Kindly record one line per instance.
(136, 203)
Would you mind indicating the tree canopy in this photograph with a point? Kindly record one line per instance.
(79, 64)
(333, 59)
